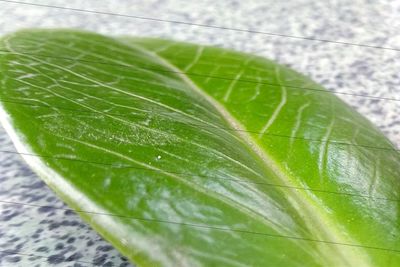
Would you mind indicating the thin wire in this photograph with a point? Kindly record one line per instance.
(119, 166)
(205, 25)
(79, 111)
(203, 75)
(232, 129)
(207, 226)
(204, 226)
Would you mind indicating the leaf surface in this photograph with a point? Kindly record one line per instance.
(188, 155)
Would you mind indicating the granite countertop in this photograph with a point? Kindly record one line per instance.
(57, 237)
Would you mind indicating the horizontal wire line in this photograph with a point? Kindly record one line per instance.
(226, 128)
(204, 226)
(121, 166)
(10, 252)
(79, 111)
(202, 75)
(206, 26)
(199, 225)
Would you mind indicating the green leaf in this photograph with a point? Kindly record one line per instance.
(188, 155)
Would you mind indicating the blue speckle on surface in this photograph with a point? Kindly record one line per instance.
(56, 233)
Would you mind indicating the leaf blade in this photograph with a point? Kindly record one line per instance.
(143, 90)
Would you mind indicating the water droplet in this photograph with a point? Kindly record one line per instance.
(107, 182)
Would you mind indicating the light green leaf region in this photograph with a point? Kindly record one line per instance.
(189, 155)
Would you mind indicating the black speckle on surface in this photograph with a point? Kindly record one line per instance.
(19, 246)
(35, 236)
(69, 212)
(12, 259)
(108, 264)
(71, 240)
(51, 199)
(100, 260)
(15, 239)
(362, 71)
(8, 215)
(53, 226)
(59, 246)
(63, 237)
(55, 259)
(42, 249)
(104, 248)
(75, 256)
(45, 209)
(35, 185)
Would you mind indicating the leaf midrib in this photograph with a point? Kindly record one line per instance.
(227, 201)
(314, 215)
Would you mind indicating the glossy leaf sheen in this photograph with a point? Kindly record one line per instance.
(201, 170)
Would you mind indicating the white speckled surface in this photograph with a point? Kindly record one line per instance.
(61, 235)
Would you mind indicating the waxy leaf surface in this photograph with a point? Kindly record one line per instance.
(188, 155)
